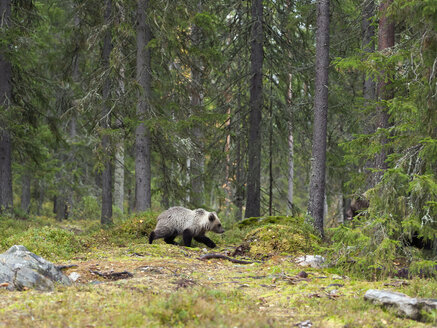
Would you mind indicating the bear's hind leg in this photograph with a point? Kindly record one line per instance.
(170, 239)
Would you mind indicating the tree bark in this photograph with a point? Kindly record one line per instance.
(143, 175)
(386, 40)
(255, 116)
(25, 193)
(6, 194)
(317, 179)
(106, 217)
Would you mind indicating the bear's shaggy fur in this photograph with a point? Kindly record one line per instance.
(190, 224)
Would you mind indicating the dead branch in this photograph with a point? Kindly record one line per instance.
(223, 257)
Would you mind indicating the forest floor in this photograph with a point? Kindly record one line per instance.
(171, 287)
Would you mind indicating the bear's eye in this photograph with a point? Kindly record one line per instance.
(219, 225)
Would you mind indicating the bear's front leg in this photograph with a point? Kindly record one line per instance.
(203, 239)
(187, 235)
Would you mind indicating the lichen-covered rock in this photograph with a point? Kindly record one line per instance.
(20, 269)
(405, 305)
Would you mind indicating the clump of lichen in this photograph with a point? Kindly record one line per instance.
(279, 235)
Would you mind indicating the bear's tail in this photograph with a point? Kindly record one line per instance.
(151, 237)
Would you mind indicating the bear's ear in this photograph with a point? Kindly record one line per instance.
(211, 217)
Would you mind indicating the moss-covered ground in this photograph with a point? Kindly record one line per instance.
(171, 287)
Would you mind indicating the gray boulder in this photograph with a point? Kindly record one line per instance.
(20, 269)
(406, 306)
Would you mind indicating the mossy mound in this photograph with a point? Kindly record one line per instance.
(274, 235)
(275, 239)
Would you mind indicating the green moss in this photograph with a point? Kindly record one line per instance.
(125, 232)
(49, 242)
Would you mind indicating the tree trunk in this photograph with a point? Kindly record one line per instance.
(119, 156)
(271, 150)
(143, 175)
(255, 116)
(106, 217)
(239, 189)
(386, 40)
(40, 199)
(317, 179)
(119, 176)
(25, 193)
(227, 186)
(6, 194)
(289, 99)
(61, 208)
(369, 88)
(198, 161)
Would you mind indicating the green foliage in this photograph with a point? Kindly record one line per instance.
(51, 243)
(124, 232)
(87, 208)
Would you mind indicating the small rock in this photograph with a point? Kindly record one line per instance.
(336, 277)
(302, 274)
(314, 261)
(74, 276)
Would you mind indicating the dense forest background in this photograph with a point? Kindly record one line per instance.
(115, 107)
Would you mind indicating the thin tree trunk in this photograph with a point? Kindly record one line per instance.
(227, 185)
(271, 150)
(239, 192)
(369, 87)
(106, 217)
(317, 179)
(40, 200)
(198, 161)
(119, 176)
(255, 116)
(143, 175)
(6, 195)
(61, 208)
(289, 99)
(165, 201)
(386, 40)
(119, 156)
(25, 193)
